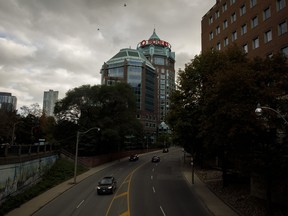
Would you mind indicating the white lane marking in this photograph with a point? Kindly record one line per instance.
(80, 204)
(153, 170)
(162, 211)
(153, 189)
(151, 177)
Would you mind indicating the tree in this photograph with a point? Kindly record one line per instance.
(33, 109)
(111, 108)
(215, 101)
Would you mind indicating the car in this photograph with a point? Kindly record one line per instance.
(155, 159)
(134, 157)
(165, 150)
(107, 185)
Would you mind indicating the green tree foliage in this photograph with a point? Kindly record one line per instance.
(213, 107)
(111, 108)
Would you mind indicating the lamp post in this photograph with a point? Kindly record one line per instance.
(259, 112)
(192, 167)
(76, 151)
(13, 132)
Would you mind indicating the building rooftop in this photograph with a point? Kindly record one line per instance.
(131, 54)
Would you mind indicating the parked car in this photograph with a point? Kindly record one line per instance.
(165, 150)
(155, 159)
(134, 157)
(107, 185)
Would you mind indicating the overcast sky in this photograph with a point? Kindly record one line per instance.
(62, 44)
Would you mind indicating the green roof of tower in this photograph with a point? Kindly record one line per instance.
(154, 36)
(129, 54)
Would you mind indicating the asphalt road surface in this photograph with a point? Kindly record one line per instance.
(144, 189)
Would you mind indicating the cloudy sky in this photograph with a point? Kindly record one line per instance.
(62, 44)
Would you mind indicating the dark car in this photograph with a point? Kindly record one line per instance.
(155, 159)
(165, 150)
(107, 185)
(134, 157)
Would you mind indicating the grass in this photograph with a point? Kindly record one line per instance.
(61, 171)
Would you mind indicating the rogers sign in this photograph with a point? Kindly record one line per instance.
(154, 42)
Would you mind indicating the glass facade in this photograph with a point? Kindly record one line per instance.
(134, 78)
(7, 101)
(150, 90)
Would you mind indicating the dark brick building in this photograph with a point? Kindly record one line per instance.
(258, 26)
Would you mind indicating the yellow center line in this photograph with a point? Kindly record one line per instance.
(127, 193)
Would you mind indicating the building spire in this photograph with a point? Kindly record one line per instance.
(154, 36)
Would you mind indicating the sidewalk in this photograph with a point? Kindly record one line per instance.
(215, 205)
(212, 202)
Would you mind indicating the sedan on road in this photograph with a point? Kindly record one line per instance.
(134, 157)
(155, 159)
(107, 185)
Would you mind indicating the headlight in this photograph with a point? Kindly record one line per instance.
(98, 187)
(110, 187)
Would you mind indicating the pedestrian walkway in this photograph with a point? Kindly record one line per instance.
(216, 206)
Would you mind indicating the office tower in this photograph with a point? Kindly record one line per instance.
(7, 101)
(49, 100)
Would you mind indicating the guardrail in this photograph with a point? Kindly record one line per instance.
(20, 153)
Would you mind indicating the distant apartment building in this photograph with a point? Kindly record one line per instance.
(8, 102)
(258, 26)
(49, 100)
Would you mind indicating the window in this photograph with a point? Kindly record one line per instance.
(226, 42)
(255, 43)
(225, 24)
(116, 72)
(254, 22)
(218, 46)
(282, 28)
(280, 4)
(159, 61)
(245, 48)
(266, 13)
(285, 51)
(233, 17)
(224, 7)
(253, 3)
(211, 36)
(210, 20)
(217, 14)
(268, 36)
(232, 2)
(217, 30)
(242, 10)
(243, 29)
(234, 35)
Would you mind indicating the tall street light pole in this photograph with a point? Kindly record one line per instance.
(76, 151)
(259, 112)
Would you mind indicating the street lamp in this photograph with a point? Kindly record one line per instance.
(192, 167)
(76, 151)
(259, 111)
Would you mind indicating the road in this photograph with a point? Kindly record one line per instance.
(144, 188)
